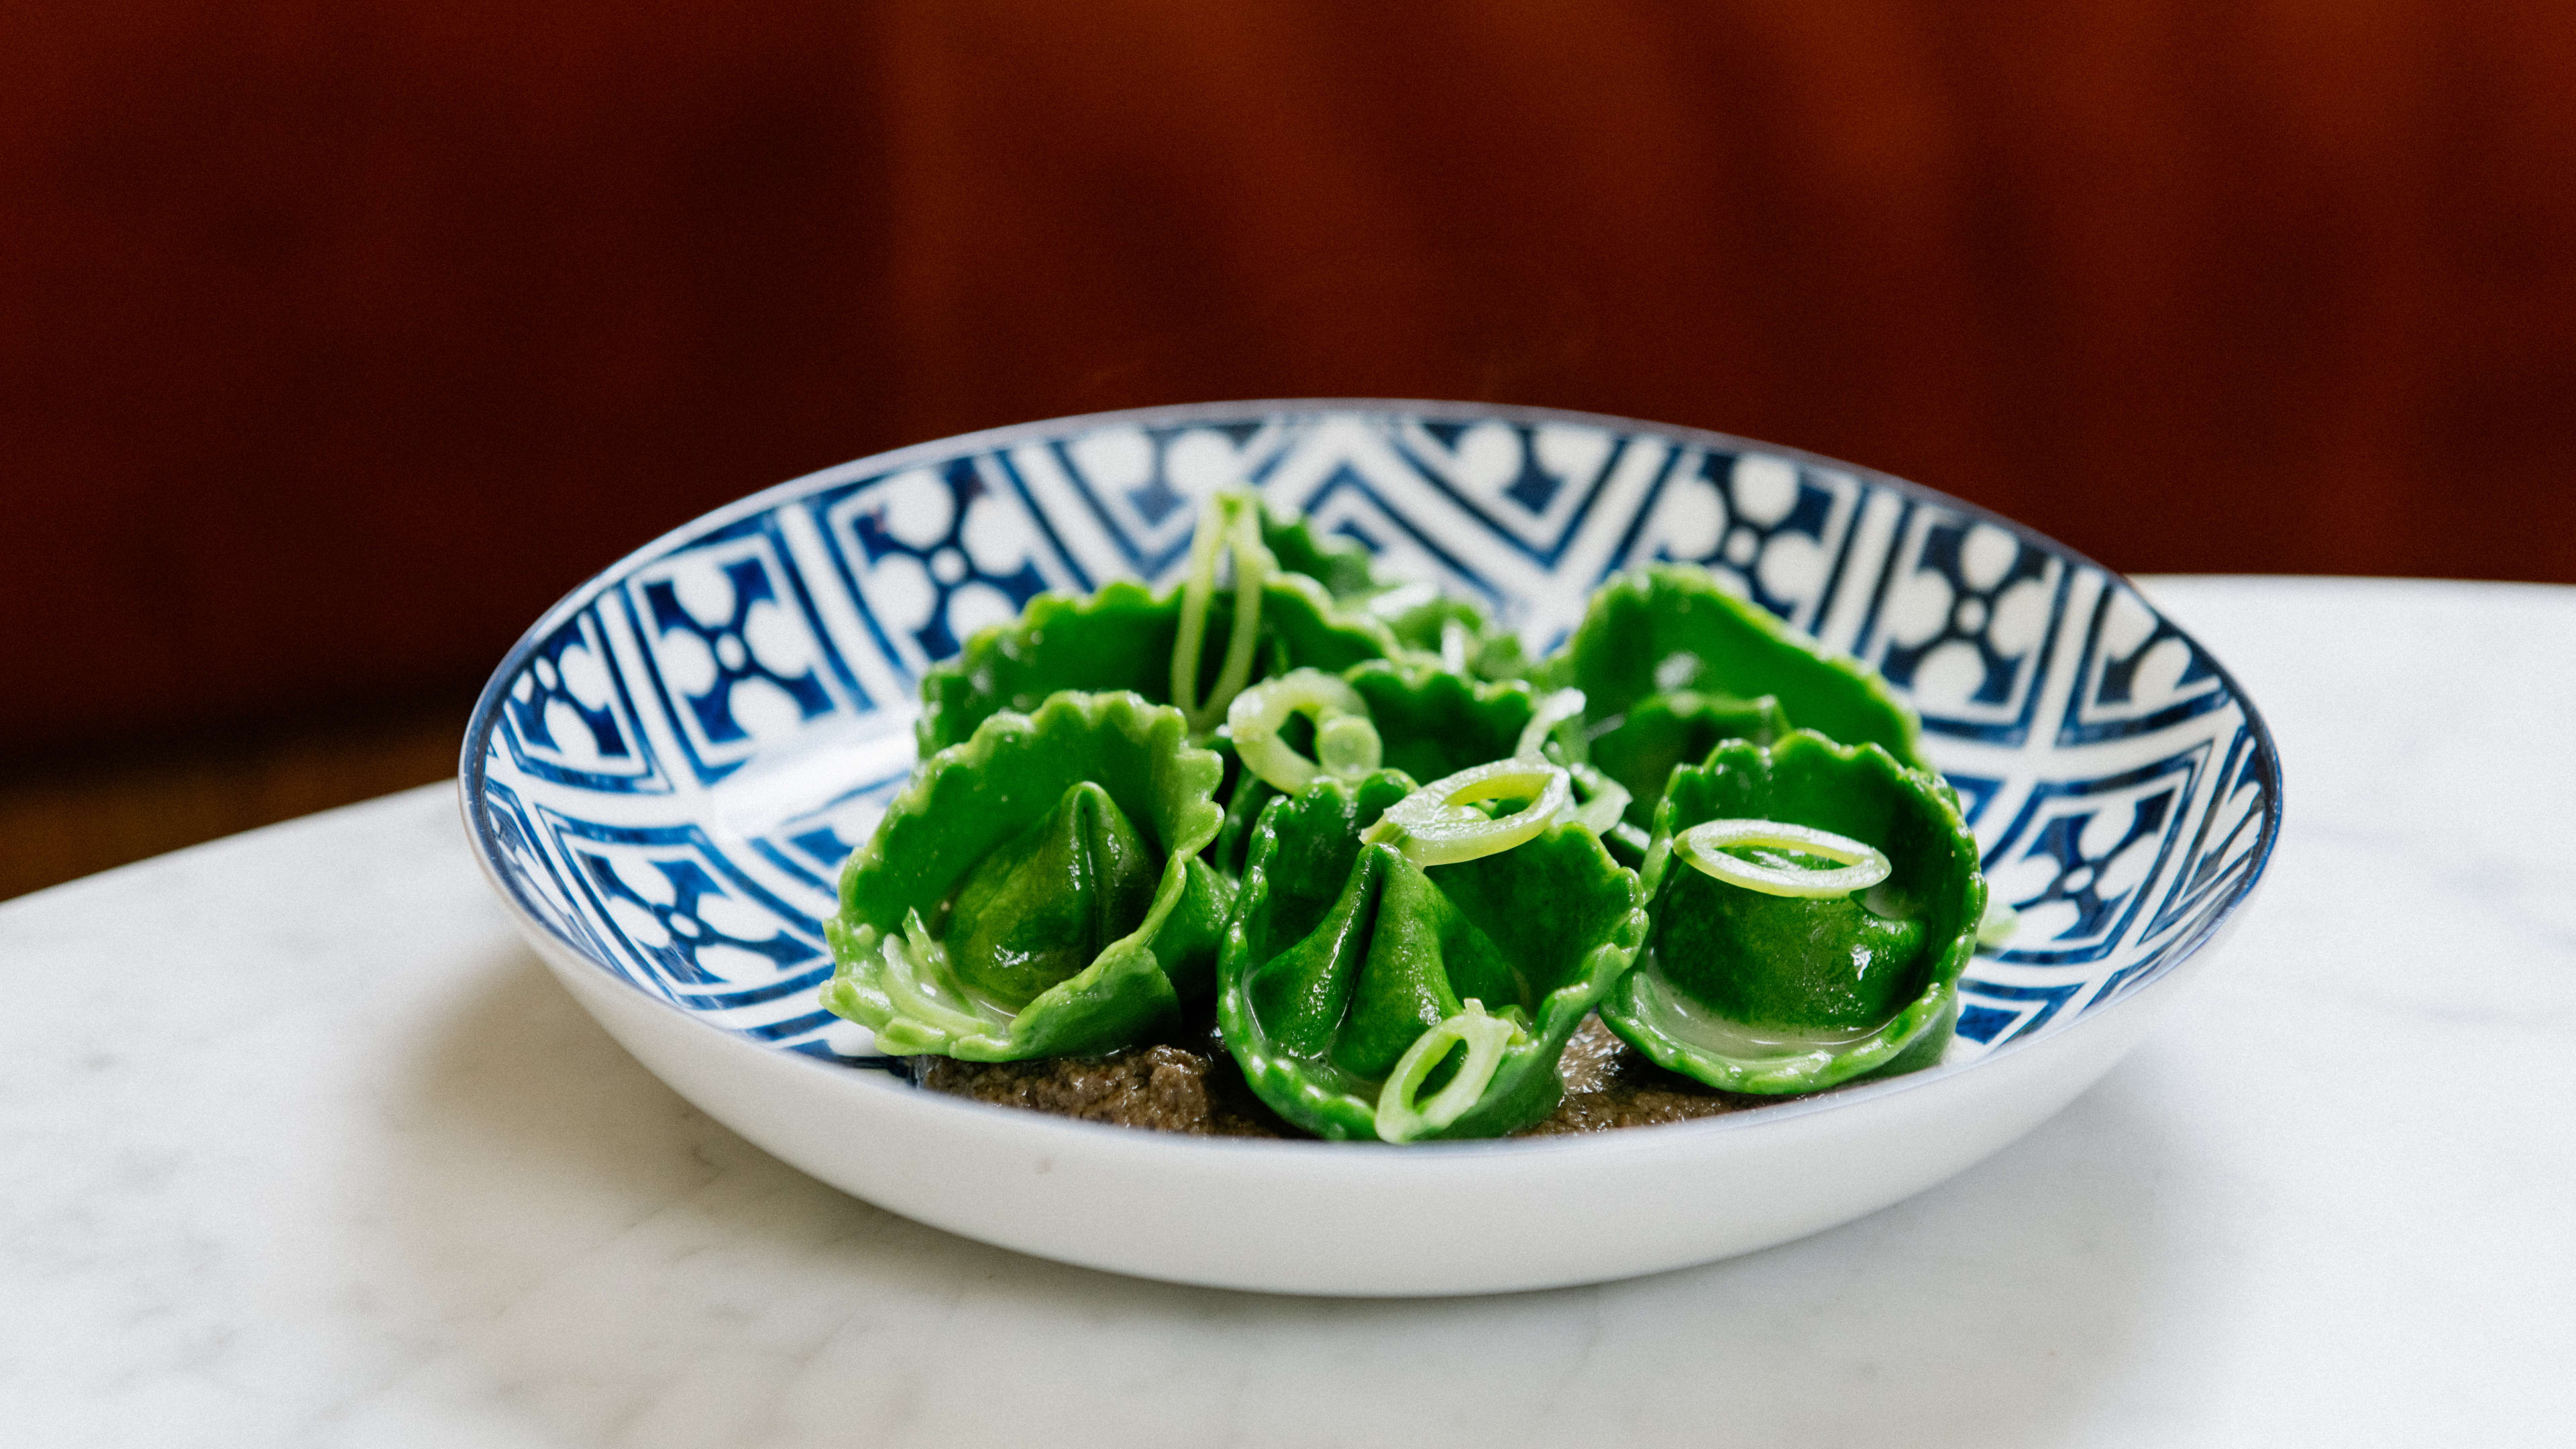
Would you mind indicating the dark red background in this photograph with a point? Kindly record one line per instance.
(337, 341)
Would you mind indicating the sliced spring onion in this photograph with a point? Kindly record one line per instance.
(1705, 846)
(919, 984)
(1998, 925)
(1434, 826)
(1605, 801)
(1346, 742)
(1552, 711)
(1348, 746)
(1229, 522)
(1399, 1118)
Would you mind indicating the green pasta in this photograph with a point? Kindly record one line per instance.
(1754, 989)
(1337, 827)
(1343, 953)
(1037, 890)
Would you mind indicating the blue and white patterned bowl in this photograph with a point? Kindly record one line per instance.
(664, 775)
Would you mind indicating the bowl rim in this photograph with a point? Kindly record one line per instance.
(479, 725)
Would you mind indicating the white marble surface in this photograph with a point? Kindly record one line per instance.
(298, 1145)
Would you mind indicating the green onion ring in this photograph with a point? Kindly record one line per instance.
(918, 984)
(1605, 801)
(1399, 1118)
(1554, 710)
(1704, 845)
(1998, 924)
(1433, 825)
(1230, 521)
(1346, 742)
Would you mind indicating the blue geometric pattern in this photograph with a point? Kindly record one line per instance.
(2075, 864)
(1532, 486)
(567, 717)
(1966, 626)
(694, 928)
(668, 770)
(930, 555)
(2139, 675)
(811, 844)
(1779, 532)
(732, 647)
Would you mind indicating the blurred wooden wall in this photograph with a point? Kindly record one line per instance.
(337, 340)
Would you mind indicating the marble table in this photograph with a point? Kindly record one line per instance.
(299, 1145)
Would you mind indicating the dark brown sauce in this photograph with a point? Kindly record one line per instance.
(1608, 1084)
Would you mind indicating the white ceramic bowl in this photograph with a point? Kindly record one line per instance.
(663, 775)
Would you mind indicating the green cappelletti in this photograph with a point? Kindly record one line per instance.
(1338, 823)
(1661, 631)
(1663, 732)
(1343, 954)
(1428, 721)
(1451, 630)
(1037, 890)
(1768, 988)
(1121, 638)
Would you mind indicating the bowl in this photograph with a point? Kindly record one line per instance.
(663, 776)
